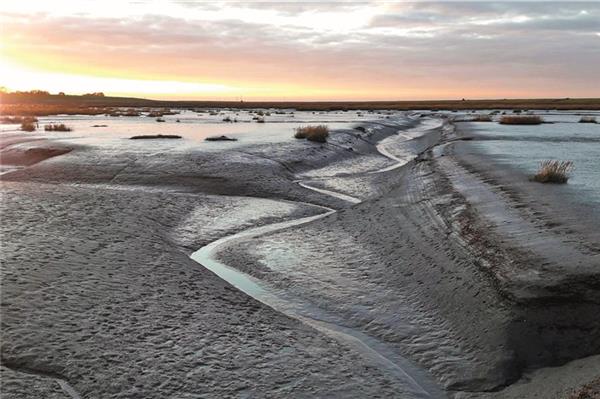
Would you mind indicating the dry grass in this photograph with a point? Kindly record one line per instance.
(220, 138)
(482, 118)
(131, 112)
(521, 120)
(155, 136)
(57, 127)
(588, 119)
(28, 126)
(552, 171)
(318, 133)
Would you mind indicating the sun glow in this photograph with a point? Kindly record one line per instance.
(22, 78)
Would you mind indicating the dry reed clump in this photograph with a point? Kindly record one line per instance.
(482, 118)
(155, 136)
(521, 120)
(318, 133)
(131, 112)
(57, 127)
(28, 126)
(553, 171)
(588, 119)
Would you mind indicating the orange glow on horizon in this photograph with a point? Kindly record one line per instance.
(289, 51)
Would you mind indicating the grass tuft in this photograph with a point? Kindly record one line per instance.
(318, 133)
(588, 119)
(131, 112)
(56, 127)
(521, 120)
(482, 118)
(28, 126)
(553, 171)
(155, 136)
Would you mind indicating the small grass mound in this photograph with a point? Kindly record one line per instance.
(553, 171)
(521, 120)
(155, 136)
(220, 138)
(318, 133)
(57, 127)
(28, 126)
(131, 112)
(482, 118)
(588, 119)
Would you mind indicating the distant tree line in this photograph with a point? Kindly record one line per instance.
(33, 93)
(44, 93)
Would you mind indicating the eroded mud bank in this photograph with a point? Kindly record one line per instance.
(428, 269)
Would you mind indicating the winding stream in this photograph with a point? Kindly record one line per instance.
(416, 383)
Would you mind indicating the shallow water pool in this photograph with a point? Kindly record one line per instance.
(524, 147)
(194, 126)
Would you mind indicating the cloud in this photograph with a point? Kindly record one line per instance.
(530, 48)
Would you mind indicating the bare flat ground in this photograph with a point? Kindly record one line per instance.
(99, 292)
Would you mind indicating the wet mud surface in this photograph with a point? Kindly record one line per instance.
(462, 297)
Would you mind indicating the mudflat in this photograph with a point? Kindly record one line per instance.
(438, 268)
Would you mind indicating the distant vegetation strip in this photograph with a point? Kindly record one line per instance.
(48, 104)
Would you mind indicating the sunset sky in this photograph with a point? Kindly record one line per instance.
(305, 51)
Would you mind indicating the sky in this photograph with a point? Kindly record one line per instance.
(308, 50)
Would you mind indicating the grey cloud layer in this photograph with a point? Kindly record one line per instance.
(468, 41)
